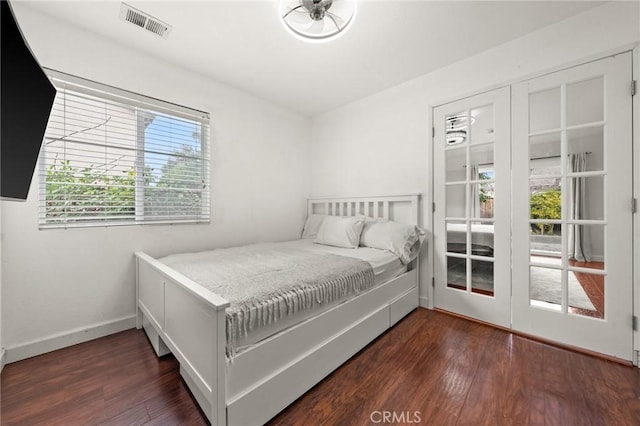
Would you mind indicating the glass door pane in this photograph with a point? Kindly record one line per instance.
(472, 216)
(560, 159)
(470, 195)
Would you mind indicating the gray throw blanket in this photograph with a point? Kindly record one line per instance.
(267, 282)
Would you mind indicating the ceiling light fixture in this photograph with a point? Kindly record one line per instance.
(317, 20)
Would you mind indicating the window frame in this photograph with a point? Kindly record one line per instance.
(140, 103)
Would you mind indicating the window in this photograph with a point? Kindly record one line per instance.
(112, 157)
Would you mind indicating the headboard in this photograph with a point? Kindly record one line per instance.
(400, 208)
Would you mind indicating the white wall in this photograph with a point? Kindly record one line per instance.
(380, 143)
(57, 282)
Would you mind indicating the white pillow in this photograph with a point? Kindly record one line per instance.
(402, 240)
(340, 231)
(312, 225)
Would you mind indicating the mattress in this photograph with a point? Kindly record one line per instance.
(264, 281)
(386, 266)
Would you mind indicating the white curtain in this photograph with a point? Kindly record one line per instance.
(579, 244)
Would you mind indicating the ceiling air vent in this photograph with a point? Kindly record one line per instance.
(144, 20)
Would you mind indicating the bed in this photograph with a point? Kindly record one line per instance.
(266, 371)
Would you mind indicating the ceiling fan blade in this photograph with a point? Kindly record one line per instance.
(334, 18)
(291, 10)
(316, 27)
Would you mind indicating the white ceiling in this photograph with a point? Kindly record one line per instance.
(244, 44)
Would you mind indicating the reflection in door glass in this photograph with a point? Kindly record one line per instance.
(585, 101)
(590, 142)
(457, 128)
(544, 155)
(457, 273)
(456, 162)
(545, 198)
(483, 200)
(482, 239)
(545, 287)
(544, 110)
(585, 245)
(456, 200)
(586, 294)
(545, 240)
(482, 277)
(586, 198)
(482, 126)
(481, 162)
(457, 237)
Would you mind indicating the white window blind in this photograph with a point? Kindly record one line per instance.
(112, 157)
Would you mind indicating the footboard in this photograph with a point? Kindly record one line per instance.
(190, 320)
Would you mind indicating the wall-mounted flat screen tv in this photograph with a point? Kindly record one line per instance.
(26, 99)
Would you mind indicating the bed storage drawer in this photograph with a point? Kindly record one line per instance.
(403, 305)
(157, 343)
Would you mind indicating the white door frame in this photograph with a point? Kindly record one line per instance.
(611, 335)
(428, 199)
(636, 195)
(495, 309)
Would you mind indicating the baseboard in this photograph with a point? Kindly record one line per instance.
(424, 302)
(3, 359)
(74, 337)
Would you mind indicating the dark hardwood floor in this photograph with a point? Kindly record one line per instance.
(431, 367)
(115, 380)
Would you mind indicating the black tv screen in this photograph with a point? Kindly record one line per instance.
(26, 99)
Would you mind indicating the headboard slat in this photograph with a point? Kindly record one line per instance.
(401, 208)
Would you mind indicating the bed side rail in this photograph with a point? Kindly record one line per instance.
(206, 296)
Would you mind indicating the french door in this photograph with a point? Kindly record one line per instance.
(472, 207)
(572, 216)
(533, 222)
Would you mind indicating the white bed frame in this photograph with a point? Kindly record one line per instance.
(184, 318)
